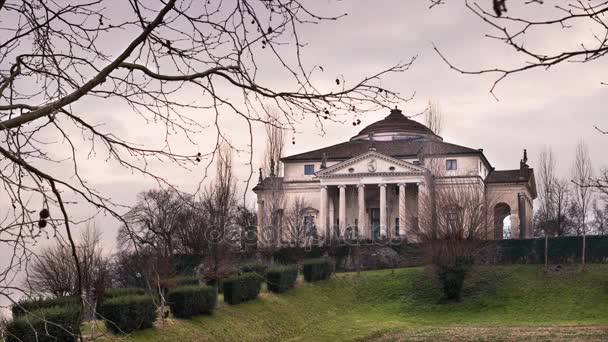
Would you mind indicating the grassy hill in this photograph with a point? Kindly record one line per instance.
(396, 305)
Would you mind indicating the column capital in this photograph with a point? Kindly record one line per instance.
(323, 186)
(360, 185)
(382, 185)
(402, 184)
(342, 186)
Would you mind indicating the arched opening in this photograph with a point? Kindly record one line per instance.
(502, 221)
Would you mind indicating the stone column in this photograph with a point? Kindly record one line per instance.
(362, 224)
(323, 211)
(402, 210)
(424, 206)
(342, 209)
(515, 232)
(332, 216)
(260, 214)
(383, 210)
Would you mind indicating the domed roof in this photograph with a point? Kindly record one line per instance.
(395, 126)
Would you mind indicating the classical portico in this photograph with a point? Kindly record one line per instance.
(377, 184)
(376, 187)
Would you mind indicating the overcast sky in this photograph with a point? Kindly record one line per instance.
(554, 108)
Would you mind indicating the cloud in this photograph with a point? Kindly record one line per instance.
(555, 107)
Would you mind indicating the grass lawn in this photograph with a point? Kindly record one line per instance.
(402, 304)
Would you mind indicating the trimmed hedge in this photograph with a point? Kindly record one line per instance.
(128, 313)
(256, 267)
(57, 324)
(123, 291)
(316, 269)
(185, 281)
(281, 278)
(192, 300)
(241, 288)
(564, 249)
(28, 305)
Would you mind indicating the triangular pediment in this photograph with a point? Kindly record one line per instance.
(371, 162)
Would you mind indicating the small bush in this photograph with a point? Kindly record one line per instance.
(192, 300)
(241, 288)
(28, 305)
(316, 269)
(126, 314)
(57, 324)
(281, 278)
(123, 291)
(256, 267)
(451, 275)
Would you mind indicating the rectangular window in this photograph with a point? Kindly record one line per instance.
(450, 164)
(309, 169)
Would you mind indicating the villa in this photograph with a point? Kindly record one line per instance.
(373, 183)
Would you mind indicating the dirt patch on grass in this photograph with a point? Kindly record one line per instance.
(561, 333)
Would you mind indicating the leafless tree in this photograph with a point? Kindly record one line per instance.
(270, 233)
(600, 215)
(4, 321)
(599, 183)
(53, 272)
(60, 60)
(191, 234)
(154, 221)
(219, 201)
(434, 117)
(246, 219)
(546, 181)
(454, 239)
(43, 276)
(275, 143)
(95, 268)
(133, 268)
(554, 199)
(296, 230)
(562, 198)
(566, 17)
(582, 171)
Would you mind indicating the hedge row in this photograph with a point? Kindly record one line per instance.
(185, 281)
(281, 278)
(565, 249)
(316, 269)
(126, 314)
(256, 267)
(241, 288)
(192, 300)
(57, 324)
(28, 305)
(123, 291)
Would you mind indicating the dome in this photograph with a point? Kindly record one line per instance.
(396, 126)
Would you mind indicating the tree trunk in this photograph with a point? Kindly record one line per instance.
(216, 288)
(584, 246)
(546, 251)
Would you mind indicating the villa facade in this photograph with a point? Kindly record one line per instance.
(372, 185)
